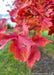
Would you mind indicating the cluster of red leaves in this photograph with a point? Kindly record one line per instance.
(37, 15)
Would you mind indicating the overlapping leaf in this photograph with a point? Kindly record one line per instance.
(40, 41)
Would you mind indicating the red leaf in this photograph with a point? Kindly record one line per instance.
(13, 12)
(40, 41)
(4, 39)
(17, 50)
(34, 56)
(12, 19)
(29, 53)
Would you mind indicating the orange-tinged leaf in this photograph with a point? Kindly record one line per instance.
(34, 56)
(16, 51)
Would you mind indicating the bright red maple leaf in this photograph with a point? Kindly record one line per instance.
(18, 47)
(30, 54)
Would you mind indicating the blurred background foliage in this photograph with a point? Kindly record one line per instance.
(9, 26)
